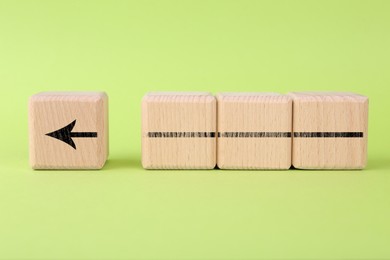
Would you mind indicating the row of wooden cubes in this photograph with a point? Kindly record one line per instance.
(69, 130)
(307, 130)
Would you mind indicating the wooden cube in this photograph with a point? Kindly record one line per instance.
(254, 131)
(179, 130)
(68, 130)
(330, 130)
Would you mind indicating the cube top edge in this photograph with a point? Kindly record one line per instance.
(253, 97)
(91, 96)
(178, 96)
(177, 93)
(244, 94)
(327, 96)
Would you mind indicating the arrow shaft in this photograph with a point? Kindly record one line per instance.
(83, 134)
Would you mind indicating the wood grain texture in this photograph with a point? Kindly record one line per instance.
(50, 111)
(254, 131)
(330, 130)
(178, 130)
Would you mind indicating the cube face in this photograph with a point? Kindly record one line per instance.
(178, 130)
(254, 131)
(330, 130)
(68, 130)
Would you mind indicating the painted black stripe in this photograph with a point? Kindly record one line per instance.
(242, 134)
(181, 134)
(83, 134)
(328, 134)
(254, 134)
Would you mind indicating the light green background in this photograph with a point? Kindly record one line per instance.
(130, 47)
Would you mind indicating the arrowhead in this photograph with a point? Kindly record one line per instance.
(64, 134)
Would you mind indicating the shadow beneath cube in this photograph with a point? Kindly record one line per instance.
(122, 163)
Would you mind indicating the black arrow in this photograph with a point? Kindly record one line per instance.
(65, 134)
